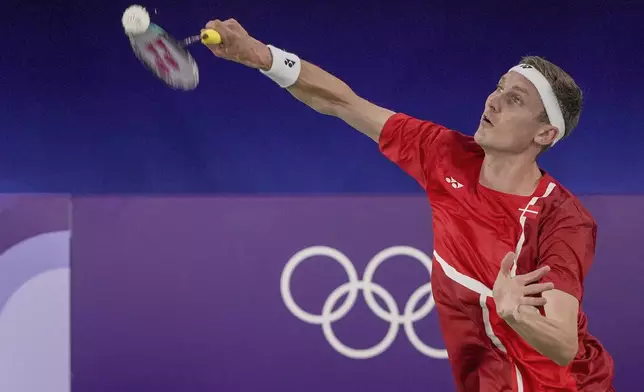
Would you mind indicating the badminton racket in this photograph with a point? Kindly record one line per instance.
(167, 58)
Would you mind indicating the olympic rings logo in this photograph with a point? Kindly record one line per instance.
(369, 288)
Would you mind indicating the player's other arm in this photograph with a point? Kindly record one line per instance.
(567, 248)
(566, 251)
(553, 335)
(308, 83)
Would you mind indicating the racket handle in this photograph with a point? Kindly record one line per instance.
(210, 37)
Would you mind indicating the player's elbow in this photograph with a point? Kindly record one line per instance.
(567, 354)
(563, 360)
(329, 96)
(341, 104)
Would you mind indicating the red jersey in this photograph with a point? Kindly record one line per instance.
(474, 228)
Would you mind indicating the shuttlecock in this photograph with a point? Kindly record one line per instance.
(136, 20)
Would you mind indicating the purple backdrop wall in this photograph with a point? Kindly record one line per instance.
(186, 293)
(207, 294)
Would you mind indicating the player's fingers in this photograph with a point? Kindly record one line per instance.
(537, 288)
(535, 275)
(212, 24)
(507, 263)
(528, 309)
(533, 301)
(233, 25)
(217, 50)
(224, 31)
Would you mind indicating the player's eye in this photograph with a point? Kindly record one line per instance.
(514, 99)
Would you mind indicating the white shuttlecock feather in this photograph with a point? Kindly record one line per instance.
(136, 20)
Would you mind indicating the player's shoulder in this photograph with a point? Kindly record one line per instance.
(450, 137)
(565, 205)
(444, 153)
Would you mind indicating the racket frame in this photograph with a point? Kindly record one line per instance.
(178, 46)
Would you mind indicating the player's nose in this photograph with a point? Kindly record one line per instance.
(493, 103)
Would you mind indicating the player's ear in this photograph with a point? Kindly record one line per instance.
(546, 135)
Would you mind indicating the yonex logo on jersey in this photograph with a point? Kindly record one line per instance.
(455, 184)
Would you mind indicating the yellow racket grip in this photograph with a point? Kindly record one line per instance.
(210, 37)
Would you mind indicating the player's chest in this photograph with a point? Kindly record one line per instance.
(478, 227)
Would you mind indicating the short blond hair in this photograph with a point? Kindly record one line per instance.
(566, 90)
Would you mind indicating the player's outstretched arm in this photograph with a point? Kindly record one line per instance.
(308, 83)
(329, 95)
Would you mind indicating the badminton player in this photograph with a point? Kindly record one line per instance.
(512, 245)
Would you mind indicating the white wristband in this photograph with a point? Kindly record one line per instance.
(285, 68)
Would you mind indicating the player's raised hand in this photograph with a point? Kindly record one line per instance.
(510, 292)
(237, 45)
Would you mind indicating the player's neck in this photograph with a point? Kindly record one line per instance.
(512, 174)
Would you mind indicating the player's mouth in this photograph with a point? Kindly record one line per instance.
(486, 120)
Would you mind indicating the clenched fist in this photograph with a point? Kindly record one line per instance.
(237, 45)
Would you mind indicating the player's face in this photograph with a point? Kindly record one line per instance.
(511, 120)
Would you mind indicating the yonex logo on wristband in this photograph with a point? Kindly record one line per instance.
(285, 67)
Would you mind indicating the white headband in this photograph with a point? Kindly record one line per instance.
(548, 97)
